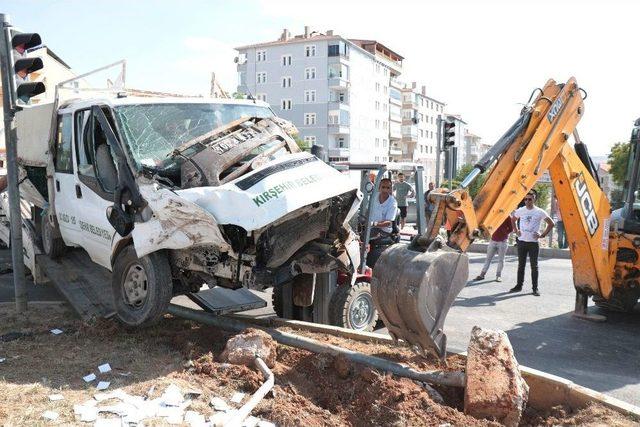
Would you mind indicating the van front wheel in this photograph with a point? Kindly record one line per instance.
(142, 287)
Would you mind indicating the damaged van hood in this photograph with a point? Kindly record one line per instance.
(269, 193)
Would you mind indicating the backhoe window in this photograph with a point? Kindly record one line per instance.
(152, 131)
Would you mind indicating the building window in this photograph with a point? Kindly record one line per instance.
(377, 67)
(384, 143)
(286, 60)
(309, 96)
(384, 107)
(385, 124)
(286, 81)
(285, 104)
(377, 87)
(386, 90)
(261, 97)
(261, 77)
(422, 133)
(341, 97)
(341, 143)
(378, 105)
(310, 140)
(377, 124)
(310, 73)
(377, 142)
(309, 119)
(261, 55)
(310, 50)
(377, 158)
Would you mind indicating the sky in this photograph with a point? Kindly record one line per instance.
(482, 58)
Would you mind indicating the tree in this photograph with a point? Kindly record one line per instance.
(618, 159)
(474, 187)
(302, 144)
(544, 195)
(617, 198)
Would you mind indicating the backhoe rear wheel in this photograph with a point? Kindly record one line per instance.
(352, 307)
(621, 300)
(298, 313)
(142, 287)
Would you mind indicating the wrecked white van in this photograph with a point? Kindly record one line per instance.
(171, 193)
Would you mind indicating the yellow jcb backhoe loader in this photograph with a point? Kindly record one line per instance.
(414, 286)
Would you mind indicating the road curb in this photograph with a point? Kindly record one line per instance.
(513, 250)
(545, 390)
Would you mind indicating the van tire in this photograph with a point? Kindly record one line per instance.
(362, 316)
(297, 312)
(142, 287)
(52, 243)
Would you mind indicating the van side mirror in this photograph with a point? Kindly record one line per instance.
(120, 220)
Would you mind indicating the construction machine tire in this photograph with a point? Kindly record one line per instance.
(413, 289)
(352, 307)
(621, 300)
(142, 287)
(52, 243)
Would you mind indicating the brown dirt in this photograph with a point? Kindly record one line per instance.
(310, 390)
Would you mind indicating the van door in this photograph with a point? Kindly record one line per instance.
(65, 183)
(95, 192)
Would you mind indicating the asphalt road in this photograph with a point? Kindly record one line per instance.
(602, 356)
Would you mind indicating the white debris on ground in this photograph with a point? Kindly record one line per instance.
(104, 368)
(55, 397)
(120, 408)
(50, 415)
(56, 331)
(103, 385)
(89, 378)
(2, 359)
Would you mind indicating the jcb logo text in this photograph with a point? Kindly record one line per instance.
(586, 204)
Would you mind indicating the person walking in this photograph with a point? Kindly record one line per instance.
(428, 206)
(529, 218)
(403, 189)
(497, 244)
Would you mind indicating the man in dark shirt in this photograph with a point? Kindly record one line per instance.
(497, 244)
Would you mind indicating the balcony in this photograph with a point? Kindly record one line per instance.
(338, 122)
(339, 152)
(410, 133)
(395, 130)
(338, 83)
(395, 151)
(338, 105)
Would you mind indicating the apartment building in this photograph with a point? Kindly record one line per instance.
(419, 129)
(335, 90)
(474, 148)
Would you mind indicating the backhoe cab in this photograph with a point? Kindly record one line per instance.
(416, 284)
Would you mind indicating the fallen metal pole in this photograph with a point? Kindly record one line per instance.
(265, 388)
(454, 379)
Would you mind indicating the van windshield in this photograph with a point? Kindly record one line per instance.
(152, 131)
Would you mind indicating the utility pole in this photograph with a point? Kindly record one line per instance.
(438, 148)
(8, 85)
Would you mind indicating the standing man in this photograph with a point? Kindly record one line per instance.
(428, 206)
(528, 231)
(383, 211)
(497, 244)
(402, 189)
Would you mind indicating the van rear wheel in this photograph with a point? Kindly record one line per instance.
(142, 287)
(52, 242)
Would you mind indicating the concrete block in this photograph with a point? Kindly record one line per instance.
(494, 387)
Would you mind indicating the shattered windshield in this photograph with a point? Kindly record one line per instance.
(152, 131)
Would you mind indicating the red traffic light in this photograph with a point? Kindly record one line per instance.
(23, 41)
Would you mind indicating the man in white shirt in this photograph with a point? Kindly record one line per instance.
(383, 211)
(528, 232)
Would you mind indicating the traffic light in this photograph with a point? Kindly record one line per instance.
(23, 66)
(449, 134)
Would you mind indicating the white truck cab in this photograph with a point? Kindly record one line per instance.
(171, 193)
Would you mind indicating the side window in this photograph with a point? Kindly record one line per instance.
(63, 159)
(84, 143)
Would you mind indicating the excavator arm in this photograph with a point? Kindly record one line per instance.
(414, 286)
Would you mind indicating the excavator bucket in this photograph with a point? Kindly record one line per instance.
(413, 291)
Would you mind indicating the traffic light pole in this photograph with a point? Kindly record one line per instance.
(438, 148)
(19, 283)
